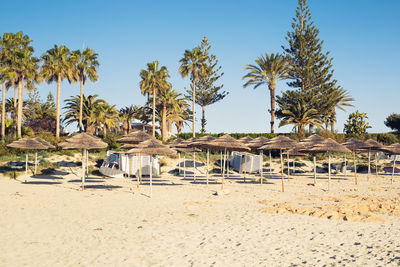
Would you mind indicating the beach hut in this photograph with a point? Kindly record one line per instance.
(84, 142)
(150, 147)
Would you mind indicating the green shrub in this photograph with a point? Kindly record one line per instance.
(387, 138)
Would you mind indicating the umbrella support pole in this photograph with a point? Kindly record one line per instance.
(245, 167)
(315, 169)
(261, 167)
(369, 164)
(208, 163)
(194, 166)
(36, 162)
(227, 164)
(376, 164)
(26, 167)
(223, 170)
(151, 176)
(329, 170)
(87, 163)
(184, 165)
(283, 186)
(137, 173)
(179, 164)
(294, 166)
(394, 167)
(221, 163)
(270, 164)
(355, 168)
(288, 166)
(345, 166)
(83, 169)
(140, 168)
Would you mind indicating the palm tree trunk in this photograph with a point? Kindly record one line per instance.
(81, 106)
(164, 122)
(203, 119)
(154, 111)
(15, 116)
(58, 107)
(20, 104)
(301, 130)
(3, 113)
(272, 88)
(105, 131)
(169, 128)
(193, 108)
(332, 127)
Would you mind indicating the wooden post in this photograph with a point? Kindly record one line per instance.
(194, 166)
(270, 164)
(355, 168)
(179, 164)
(223, 170)
(315, 169)
(376, 164)
(369, 163)
(208, 162)
(87, 163)
(394, 166)
(221, 162)
(36, 162)
(83, 169)
(26, 167)
(345, 165)
(288, 167)
(151, 176)
(140, 168)
(261, 167)
(283, 186)
(245, 167)
(329, 170)
(227, 165)
(184, 165)
(137, 172)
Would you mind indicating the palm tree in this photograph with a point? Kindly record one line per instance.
(57, 66)
(106, 117)
(299, 114)
(154, 79)
(128, 114)
(86, 66)
(268, 70)
(193, 64)
(89, 111)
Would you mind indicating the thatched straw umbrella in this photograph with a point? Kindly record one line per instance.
(199, 144)
(372, 146)
(354, 145)
(151, 147)
(173, 144)
(226, 143)
(280, 142)
(130, 141)
(329, 146)
(84, 142)
(393, 149)
(246, 140)
(186, 144)
(30, 143)
(308, 143)
(255, 144)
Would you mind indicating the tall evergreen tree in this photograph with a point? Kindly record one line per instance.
(310, 68)
(207, 91)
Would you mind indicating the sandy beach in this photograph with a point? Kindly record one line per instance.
(50, 222)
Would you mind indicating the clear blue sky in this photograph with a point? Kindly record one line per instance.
(363, 37)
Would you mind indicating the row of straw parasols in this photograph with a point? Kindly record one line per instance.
(141, 143)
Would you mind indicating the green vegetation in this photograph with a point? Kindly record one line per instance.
(393, 122)
(356, 125)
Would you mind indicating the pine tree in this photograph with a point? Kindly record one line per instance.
(207, 90)
(310, 69)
